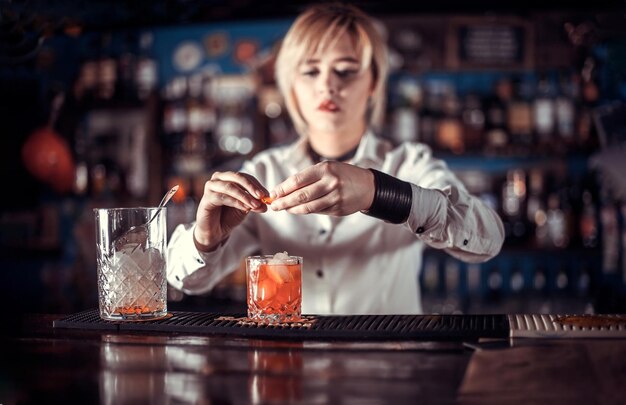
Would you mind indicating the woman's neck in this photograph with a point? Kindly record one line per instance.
(316, 157)
(334, 145)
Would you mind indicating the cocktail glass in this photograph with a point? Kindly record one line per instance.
(274, 288)
(131, 276)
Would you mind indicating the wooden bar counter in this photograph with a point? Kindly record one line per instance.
(40, 364)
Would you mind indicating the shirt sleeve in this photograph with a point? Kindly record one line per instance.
(196, 272)
(444, 214)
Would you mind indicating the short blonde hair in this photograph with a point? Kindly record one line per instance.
(316, 30)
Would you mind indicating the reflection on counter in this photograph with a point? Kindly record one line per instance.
(276, 372)
(207, 370)
(142, 373)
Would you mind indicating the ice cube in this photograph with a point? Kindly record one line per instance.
(279, 273)
(279, 257)
(132, 265)
(124, 262)
(148, 259)
(137, 276)
(265, 291)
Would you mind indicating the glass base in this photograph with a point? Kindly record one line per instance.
(274, 318)
(148, 316)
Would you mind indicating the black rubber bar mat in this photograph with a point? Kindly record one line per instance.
(353, 327)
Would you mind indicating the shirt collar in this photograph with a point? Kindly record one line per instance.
(368, 154)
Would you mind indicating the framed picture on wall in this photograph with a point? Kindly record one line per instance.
(489, 43)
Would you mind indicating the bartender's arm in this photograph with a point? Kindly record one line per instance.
(202, 253)
(434, 205)
(422, 194)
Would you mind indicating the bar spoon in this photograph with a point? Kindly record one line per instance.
(139, 234)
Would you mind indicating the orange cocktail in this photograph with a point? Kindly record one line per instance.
(274, 288)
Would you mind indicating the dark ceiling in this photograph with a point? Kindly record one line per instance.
(109, 14)
(25, 23)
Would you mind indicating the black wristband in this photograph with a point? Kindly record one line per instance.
(392, 198)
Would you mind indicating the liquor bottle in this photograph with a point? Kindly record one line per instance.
(404, 125)
(432, 112)
(497, 134)
(427, 127)
(590, 95)
(193, 103)
(174, 122)
(81, 178)
(107, 70)
(583, 283)
(494, 284)
(404, 118)
(557, 222)
(590, 91)
(536, 215)
(208, 113)
(85, 85)
(514, 192)
(520, 118)
(473, 122)
(430, 276)
(278, 127)
(544, 112)
(610, 233)
(588, 221)
(562, 280)
(540, 281)
(623, 236)
(450, 131)
(126, 62)
(234, 130)
(474, 271)
(146, 68)
(174, 117)
(452, 280)
(513, 205)
(566, 112)
(516, 282)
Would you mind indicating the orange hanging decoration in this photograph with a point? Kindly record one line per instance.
(47, 156)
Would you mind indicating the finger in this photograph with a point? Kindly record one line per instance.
(301, 196)
(296, 181)
(262, 208)
(224, 200)
(233, 190)
(246, 181)
(322, 205)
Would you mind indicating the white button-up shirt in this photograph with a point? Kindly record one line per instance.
(354, 264)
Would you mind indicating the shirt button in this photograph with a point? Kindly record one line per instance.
(322, 231)
(420, 230)
(465, 242)
(319, 273)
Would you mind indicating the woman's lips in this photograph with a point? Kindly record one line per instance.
(328, 106)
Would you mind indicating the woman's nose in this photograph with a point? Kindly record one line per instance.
(326, 83)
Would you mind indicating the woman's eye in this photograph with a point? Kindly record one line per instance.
(345, 73)
(311, 73)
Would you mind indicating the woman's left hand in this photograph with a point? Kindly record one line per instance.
(331, 188)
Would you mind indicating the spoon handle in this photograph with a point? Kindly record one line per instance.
(166, 198)
(170, 194)
(119, 242)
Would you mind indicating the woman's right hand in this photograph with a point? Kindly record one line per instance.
(228, 197)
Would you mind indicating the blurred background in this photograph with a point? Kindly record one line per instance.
(108, 104)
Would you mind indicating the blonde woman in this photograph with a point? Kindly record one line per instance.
(359, 210)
